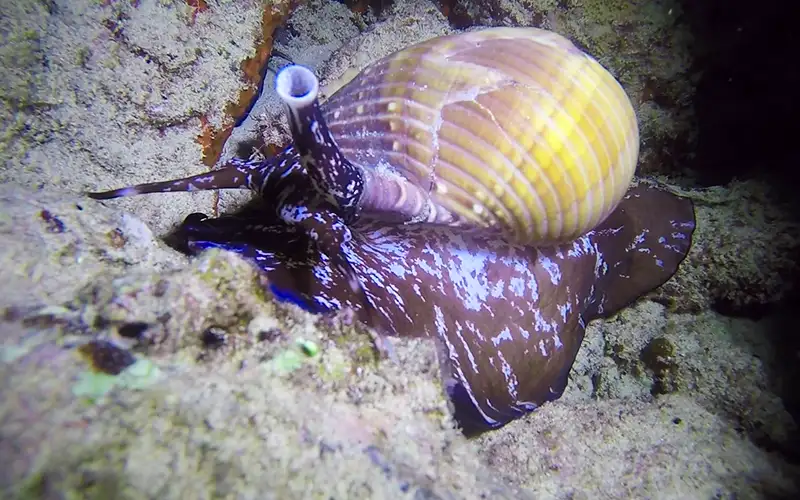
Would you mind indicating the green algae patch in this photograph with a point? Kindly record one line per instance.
(292, 358)
(285, 362)
(335, 366)
(95, 385)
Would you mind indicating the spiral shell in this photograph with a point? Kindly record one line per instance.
(508, 127)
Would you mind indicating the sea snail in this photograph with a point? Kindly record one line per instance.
(473, 189)
(508, 318)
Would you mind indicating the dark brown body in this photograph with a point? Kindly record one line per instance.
(510, 318)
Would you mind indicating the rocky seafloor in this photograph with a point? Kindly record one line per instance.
(218, 391)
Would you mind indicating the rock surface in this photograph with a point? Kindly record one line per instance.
(233, 395)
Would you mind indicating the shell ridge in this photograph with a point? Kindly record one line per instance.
(532, 84)
(469, 91)
(496, 176)
(537, 142)
(437, 161)
(605, 85)
(567, 70)
(345, 110)
(454, 205)
(572, 164)
(512, 168)
(385, 116)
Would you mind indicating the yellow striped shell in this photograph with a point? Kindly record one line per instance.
(513, 127)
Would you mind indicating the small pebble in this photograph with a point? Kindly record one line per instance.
(263, 327)
(214, 337)
(133, 330)
(106, 357)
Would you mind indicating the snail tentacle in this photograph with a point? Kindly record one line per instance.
(236, 174)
